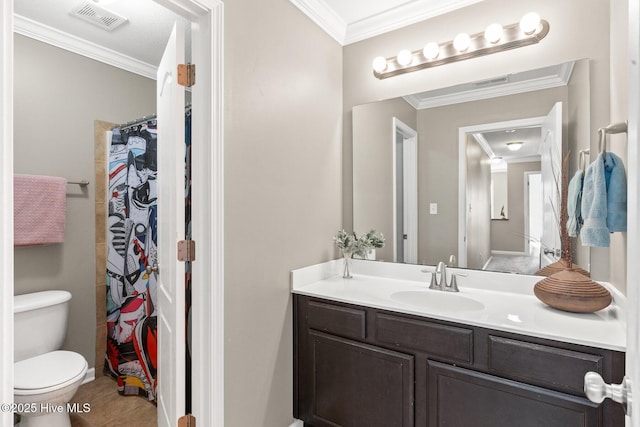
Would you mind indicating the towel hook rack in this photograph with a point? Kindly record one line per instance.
(582, 159)
(620, 127)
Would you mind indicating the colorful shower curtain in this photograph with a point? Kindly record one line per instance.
(132, 246)
(131, 355)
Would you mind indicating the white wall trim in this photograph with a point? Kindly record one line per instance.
(508, 253)
(632, 362)
(41, 32)
(297, 423)
(406, 14)
(89, 376)
(544, 78)
(6, 212)
(325, 17)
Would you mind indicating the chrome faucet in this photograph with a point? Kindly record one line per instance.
(442, 270)
(442, 284)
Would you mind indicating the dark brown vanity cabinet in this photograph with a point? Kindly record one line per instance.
(363, 367)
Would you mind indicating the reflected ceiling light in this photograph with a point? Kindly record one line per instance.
(496, 160)
(530, 30)
(431, 50)
(462, 42)
(514, 146)
(493, 33)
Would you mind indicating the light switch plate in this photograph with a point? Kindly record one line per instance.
(433, 208)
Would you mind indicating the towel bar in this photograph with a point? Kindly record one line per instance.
(82, 183)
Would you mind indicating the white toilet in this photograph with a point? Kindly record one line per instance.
(45, 378)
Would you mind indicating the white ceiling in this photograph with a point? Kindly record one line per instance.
(349, 21)
(137, 45)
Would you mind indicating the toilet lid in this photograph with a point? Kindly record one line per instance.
(48, 370)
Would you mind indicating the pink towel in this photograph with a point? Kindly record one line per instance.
(38, 209)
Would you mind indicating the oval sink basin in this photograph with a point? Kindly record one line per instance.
(437, 300)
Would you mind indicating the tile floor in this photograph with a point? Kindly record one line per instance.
(110, 409)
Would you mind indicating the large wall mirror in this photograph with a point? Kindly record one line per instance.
(468, 172)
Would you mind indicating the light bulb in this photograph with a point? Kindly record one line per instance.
(404, 57)
(431, 50)
(493, 33)
(462, 42)
(379, 64)
(530, 23)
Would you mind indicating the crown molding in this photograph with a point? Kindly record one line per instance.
(41, 32)
(401, 16)
(409, 13)
(500, 86)
(324, 16)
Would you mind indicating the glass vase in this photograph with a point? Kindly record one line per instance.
(346, 272)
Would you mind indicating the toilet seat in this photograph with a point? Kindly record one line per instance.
(48, 372)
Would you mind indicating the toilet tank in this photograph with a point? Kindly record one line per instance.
(40, 322)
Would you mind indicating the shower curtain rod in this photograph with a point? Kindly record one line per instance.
(144, 119)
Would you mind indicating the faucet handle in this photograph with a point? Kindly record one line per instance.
(453, 286)
(434, 282)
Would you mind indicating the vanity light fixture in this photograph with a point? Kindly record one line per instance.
(496, 38)
(514, 146)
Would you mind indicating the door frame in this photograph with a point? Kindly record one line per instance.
(410, 190)
(462, 172)
(527, 209)
(633, 223)
(207, 214)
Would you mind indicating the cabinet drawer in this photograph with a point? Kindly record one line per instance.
(551, 367)
(450, 342)
(338, 320)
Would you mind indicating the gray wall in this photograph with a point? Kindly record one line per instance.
(510, 235)
(283, 190)
(566, 41)
(373, 167)
(58, 95)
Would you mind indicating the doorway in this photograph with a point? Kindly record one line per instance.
(512, 240)
(208, 312)
(405, 193)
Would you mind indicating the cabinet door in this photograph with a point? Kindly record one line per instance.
(358, 385)
(463, 398)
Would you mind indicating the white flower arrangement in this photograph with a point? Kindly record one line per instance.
(351, 244)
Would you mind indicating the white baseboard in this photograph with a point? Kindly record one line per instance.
(297, 423)
(509, 253)
(89, 376)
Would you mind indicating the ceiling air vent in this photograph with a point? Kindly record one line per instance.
(98, 16)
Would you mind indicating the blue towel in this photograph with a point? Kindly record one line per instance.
(574, 198)
(616, 180)
(604, 200)
(594, 206)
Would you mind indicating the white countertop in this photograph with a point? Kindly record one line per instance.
(492, 300)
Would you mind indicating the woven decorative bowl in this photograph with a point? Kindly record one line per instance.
(568, 290)
(558, 266)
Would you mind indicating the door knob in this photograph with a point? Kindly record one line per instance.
(152, 268)
(555, 252)
(597, 390)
